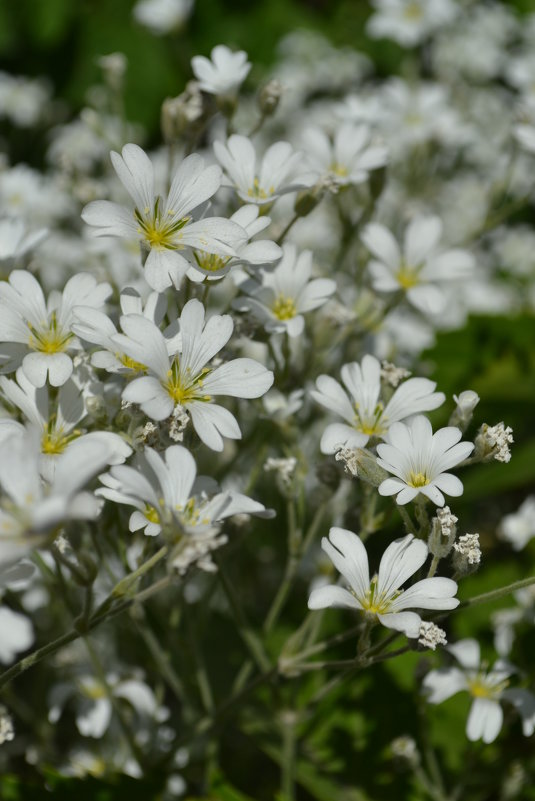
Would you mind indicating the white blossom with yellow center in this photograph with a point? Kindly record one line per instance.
(421, 269)
(179, 372)
(382, 596)
(419, 459)
(346, 160)
(261, 181)
(38, 333)
(165, 226)
(286, 293)
(365, 413)
(488, 687)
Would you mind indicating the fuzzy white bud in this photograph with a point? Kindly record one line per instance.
(431, 635)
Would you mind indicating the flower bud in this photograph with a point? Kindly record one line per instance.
(466, 403)
(442, 534)
(182, 112)
(492, 442)
(269, 97)
(113, 67)
(467, 554)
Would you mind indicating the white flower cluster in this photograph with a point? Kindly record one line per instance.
(266, 283)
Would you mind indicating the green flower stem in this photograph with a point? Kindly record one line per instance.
(247, 633)
(405, 516)
(288, 757)
(433, 566)
(292, 566)
(286, 230)
(493, 595)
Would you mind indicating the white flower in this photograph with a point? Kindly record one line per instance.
(286, 293)
(349, 158)
(15, 241)
(7, 731)
(224, 73)
(418, 458)
(518, 528)
(420, 268)
(162, 16)
(382, 596)
(167, 494)
(29, 510)
(409, 22)
(38, 332)
(165, 226)
(279, 172)
(365, 414)
(56, 423)
(94, 326)
(487, 688)
(261, 251)
(94, 707)
(184, 377)
(16, 634)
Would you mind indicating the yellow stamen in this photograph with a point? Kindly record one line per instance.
(284, 308)
(417, 480)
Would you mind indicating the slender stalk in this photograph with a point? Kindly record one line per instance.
(288, 757)
(246, 631)
(493, 595)
(286, 230)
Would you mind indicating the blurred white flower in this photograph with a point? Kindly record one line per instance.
(409, 22)
(518, 528)
(280, 171)
(224, 73)
(487, 688)
(286, 293)
(163, 16)
(421, 268)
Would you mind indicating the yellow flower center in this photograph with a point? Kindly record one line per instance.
(408, 276)
(413, 11)
(417, 480)
(183, 387)
(256, 191)
(49, 338)
(54, 441)
(159, 232)
(338, 169)
(152, 514)
(370, 425)
(284, 308)
(131, 364)
(479, 687)
(377, 604)
(210, 262)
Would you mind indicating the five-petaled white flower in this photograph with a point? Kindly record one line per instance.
(280, 171)
(286, 293)
(421, 268)
(487, 688)
(366, 414)
(166, 491)
(349, 158)
(382, 596)
(224, 73)
(38, 333)
(165, 227)
(184, 377)
(418, 458)
(55, 422)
